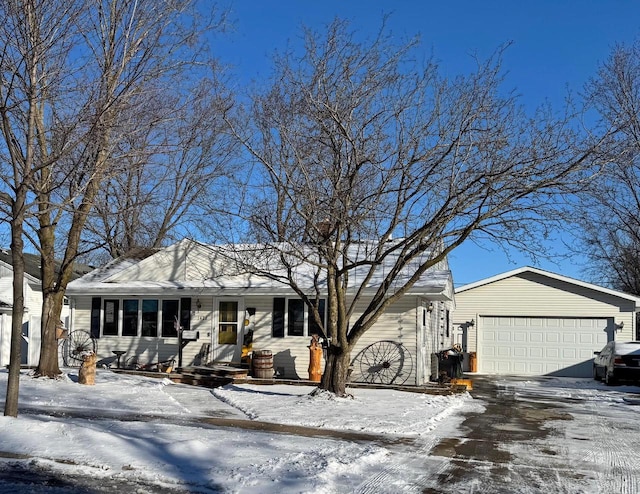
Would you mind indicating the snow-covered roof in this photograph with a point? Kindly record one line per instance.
(237, 269)
(32, 265)
(548, 274)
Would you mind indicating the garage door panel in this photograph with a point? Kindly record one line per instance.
(551, 368)
(503, 336)
(553, 337)
(585, 354)
(503, 367)
(587, 339)
(489, 336)
(533, 368)
(535, 352)
(519, 336)
(536, 337)
(552, 353)
(519, 368)
(489, 351)
(538, 346)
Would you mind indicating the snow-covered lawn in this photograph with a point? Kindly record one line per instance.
(114, 434)
(145, 435)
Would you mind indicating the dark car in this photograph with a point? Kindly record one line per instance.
(619, 360)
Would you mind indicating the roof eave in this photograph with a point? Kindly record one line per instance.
(549, 274)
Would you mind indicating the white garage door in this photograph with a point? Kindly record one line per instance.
(539, 346)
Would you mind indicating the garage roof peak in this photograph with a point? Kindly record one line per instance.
(549, 274)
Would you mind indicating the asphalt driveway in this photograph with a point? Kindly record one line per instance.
(544, 435)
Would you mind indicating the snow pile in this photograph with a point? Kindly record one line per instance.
(369, 410)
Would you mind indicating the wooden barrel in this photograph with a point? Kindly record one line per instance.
(263, 364)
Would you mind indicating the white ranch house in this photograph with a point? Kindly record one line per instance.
(132, 305)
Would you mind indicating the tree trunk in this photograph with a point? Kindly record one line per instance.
(13, 382)
(336, 371)
(51, 309)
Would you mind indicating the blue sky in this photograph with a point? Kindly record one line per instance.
(556, 46)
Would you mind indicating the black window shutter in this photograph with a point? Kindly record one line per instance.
(277, 330)
(185, 313)
(96, 303)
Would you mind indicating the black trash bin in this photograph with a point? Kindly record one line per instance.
(450, 364)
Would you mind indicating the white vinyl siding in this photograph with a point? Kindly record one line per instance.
(533, 295)
(291, 354)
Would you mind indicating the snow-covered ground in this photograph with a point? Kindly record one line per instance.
(107, 431)
(145, 435)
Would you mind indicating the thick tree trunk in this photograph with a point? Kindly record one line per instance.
(336, 371)
(51, 309)
(13, 383)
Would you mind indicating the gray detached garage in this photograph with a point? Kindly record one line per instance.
(533, 322)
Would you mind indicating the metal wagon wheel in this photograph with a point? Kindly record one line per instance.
(132, 363)
(382, 362)
(75, 346)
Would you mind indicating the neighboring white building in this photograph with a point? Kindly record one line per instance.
(534, 322)
(31, 321)
(132, 303)
(32, 313)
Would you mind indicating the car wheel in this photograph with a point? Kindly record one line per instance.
(596, 376)
(609, 379)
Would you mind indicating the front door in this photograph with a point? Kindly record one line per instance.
(227, 334)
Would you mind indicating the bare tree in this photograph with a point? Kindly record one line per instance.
(161, 193)
(31, 41)
(357, 145)
(75, 80)
(608, 215)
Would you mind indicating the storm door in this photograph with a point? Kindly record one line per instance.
(227, 334)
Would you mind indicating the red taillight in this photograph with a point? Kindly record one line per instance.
(618, 361)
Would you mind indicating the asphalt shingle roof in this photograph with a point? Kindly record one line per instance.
(32, 264)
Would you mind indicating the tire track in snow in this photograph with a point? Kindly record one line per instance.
(610, 451)
(413, 469)
(395, 475)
